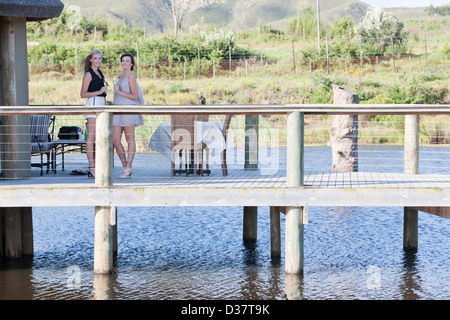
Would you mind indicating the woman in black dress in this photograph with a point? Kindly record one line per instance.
(94, 89)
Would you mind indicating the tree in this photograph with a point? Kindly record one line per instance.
(305, 23)
(318, 28)
(382, 29)
(177, 7)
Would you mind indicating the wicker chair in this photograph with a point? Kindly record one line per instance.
(183, 138)
(41, 136)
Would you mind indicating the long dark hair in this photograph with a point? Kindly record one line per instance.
(131, 57)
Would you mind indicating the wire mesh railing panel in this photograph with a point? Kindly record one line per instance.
(379, 146)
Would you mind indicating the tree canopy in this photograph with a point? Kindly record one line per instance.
(382, 29)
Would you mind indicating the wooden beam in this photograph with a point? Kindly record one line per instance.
(311, 109)
(123, 196)
(437, 211)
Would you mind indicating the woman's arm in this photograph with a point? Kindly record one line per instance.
(85, 85)
(133, 88)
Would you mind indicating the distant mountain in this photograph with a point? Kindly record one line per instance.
(156, 16)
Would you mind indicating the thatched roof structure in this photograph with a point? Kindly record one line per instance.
(31, 9)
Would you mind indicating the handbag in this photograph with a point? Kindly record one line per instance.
(70, 133)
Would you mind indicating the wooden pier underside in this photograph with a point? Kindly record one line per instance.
(152, 185)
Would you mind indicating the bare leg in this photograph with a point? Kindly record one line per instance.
(117, 143)
(90, 144)
(130, 137)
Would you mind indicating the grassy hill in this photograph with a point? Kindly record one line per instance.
(155, 15)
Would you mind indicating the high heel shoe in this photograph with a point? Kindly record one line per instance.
(90, 174)
(126, 173)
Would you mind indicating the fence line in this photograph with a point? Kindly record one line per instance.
(256, 66)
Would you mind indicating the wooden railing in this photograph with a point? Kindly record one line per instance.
(331, 109)
(295, 124)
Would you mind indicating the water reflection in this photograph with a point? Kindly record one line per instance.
(294, 287)
(410, 285)
(250, 254)
(15, 279)
(103, 285)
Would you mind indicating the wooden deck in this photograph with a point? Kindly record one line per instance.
(152, 185)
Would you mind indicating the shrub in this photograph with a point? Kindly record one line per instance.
(381, 28)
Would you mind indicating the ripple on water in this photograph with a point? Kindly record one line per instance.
(179, 253)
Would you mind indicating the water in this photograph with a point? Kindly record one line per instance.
(187, 254)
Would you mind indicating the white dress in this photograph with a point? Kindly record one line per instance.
(124, 120)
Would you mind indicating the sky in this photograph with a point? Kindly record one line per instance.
(406, 3)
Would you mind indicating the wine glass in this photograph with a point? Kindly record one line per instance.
(105, 83)
(115, 82)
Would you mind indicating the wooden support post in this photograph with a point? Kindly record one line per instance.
(13, 233)
(294, 240)
(27, 231)
(250, 230)
(295, 149)
(275, 232)
(113, 221)
(410, 229)
(411, 166)
(16, 232)
(251, 163)
(16, 148)
(344, 133)
(251, 142)
(103, 150)
(294, 217)
(2, 233)
(103, 242)
(411, 157)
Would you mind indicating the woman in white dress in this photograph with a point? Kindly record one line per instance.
(126, 92)
(94, 89)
